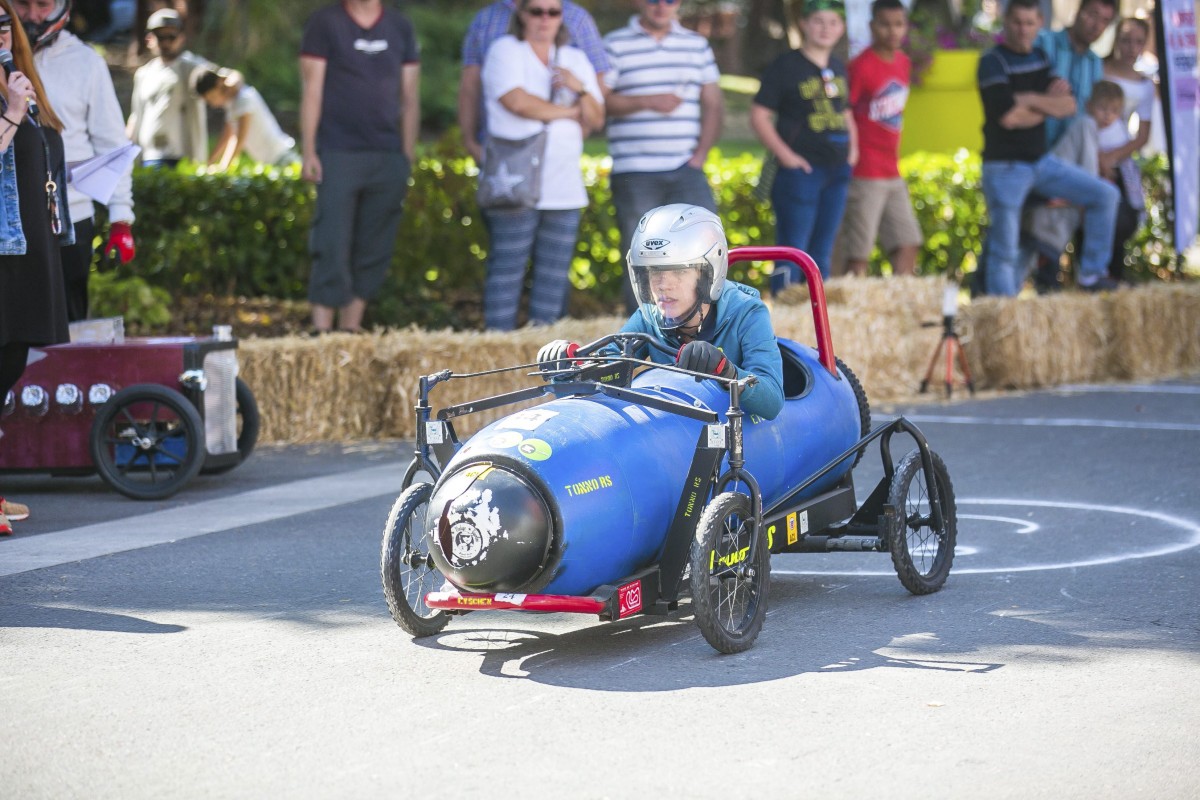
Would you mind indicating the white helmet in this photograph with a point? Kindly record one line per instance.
(676, 237)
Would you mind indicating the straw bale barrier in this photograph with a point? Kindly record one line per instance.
(343, 387)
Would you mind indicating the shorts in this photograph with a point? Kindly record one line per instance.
(354, 227)
(878, 208)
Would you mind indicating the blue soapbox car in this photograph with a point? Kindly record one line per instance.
(637, 485)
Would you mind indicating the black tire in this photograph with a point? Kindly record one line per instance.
(730, 599)
(921, 553)
(864, 406)
(248, 422)
(147, 441)
(405, 566)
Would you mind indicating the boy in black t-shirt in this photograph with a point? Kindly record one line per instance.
(812, 136)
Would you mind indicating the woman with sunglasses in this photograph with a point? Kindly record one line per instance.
(531, 81)
(1117, 146)
(802, 116)
(34, 220)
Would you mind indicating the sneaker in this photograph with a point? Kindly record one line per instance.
(1101, 284)
(14, 511)
(5, 527)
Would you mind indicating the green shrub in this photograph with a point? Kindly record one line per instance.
(246, 232)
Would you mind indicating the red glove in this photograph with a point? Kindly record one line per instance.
(120, 241)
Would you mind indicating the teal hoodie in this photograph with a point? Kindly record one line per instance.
(743, 332)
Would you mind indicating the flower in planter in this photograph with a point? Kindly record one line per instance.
(940, 25)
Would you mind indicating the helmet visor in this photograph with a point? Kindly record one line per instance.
(669, 295)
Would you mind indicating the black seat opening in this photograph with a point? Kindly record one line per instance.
(796, 377)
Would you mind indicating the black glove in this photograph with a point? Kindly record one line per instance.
(556, 351)
(704, 357)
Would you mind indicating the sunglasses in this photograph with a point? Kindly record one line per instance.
(166, 37)
(664, 2)
(831, 87)
(544, 12)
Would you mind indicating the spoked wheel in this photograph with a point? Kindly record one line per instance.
(248, 422)
(921, 551)
(730, 574)
(407, 568)
(147, 442)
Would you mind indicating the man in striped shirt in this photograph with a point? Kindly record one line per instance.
(664, 114)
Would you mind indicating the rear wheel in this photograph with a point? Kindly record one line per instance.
(730, 574)
(406, 566)
(864, 406)
(922, 552)
(247, 427)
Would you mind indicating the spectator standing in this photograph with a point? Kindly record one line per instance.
(1071, 56)
(533, 81)
(1117, 145)
(1051, 226)
(664, 109)
(878, 205)
(492, 22)
(77, 80)
(249, 124)
(1020, 91)
(166, 118)
(812, 137)
(34, 220)
(360, 72)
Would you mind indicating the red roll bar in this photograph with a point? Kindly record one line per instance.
(816, 291)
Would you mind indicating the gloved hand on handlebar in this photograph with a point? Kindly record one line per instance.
(557, 351)
(704, 357)
(120, 243)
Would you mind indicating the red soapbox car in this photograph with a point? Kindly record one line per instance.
(147, 414)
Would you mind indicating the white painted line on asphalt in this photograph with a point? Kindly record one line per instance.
(1054, 422)
(198, 519)
(1139, 388)
(1187, 527)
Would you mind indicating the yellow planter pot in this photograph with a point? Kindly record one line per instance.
(944, 113)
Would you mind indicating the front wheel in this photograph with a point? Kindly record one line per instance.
(730, 574)
(407, 568)
(922, 552)
(147, 441)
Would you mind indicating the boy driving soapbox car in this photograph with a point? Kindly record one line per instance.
(625, 493)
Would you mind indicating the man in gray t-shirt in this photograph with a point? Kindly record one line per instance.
(359, 117)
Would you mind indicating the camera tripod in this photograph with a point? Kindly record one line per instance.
(953, 348)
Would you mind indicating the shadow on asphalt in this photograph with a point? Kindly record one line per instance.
(22, 615)
(879, 629)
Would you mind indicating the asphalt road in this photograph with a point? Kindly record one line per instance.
(234, 641)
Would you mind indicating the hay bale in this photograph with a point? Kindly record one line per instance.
(312, 390)
(1156, 331)
(343, 387)
(1040, 341)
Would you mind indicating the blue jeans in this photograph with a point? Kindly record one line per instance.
(1007, 184)
(549, 237)
(635, 193)
(808, 210)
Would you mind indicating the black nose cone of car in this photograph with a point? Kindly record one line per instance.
(493, 530)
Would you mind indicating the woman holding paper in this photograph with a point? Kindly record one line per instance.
(77, 81)
(34, 219)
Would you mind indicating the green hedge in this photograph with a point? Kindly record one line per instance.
(246, 233)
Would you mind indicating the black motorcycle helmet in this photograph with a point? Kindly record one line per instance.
(42, 34)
